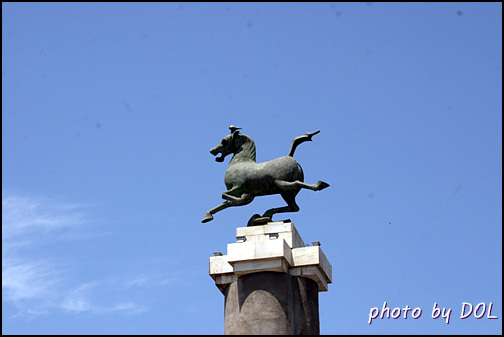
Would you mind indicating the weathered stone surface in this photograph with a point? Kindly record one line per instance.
(284, 230)
(271, 303)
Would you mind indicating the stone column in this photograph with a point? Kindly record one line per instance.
(270, 281)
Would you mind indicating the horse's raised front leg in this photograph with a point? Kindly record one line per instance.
(208, 215)
(296, 185)
(243, 199)
(231, 200)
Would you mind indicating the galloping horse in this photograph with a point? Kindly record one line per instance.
(245, 179)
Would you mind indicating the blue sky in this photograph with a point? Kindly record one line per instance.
(109, 111)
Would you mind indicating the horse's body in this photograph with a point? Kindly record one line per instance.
(259, 178)
(245, 179)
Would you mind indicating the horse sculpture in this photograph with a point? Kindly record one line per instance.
(245, 179)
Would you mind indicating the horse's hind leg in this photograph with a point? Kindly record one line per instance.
(296, 185)
(290, 199)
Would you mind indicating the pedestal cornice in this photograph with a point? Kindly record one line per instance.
(277, 247)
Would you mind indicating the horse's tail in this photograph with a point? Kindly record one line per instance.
(301, 139)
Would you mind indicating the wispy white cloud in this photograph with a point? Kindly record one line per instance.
(81, 300)
(77, 301)
(27, 280)
(36, 280)
(23, 215)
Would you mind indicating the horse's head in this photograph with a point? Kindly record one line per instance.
(234, 143)
(225, 147)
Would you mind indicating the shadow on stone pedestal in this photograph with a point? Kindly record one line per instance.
(268, 303)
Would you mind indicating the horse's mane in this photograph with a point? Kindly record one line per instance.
(246, 146)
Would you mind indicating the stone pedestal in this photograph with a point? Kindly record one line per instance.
(270, 280)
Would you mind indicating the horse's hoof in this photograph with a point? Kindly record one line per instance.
(208, 217)
(251, 220)
(321, 185)
(261, 221)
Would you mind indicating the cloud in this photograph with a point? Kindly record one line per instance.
(25, 219)
(82, 299)
(37, 276)
(30, 280)
(26, 280)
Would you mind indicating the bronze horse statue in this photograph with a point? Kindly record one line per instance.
(245, 179)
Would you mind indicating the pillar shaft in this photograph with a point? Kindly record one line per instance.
(271, 303)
